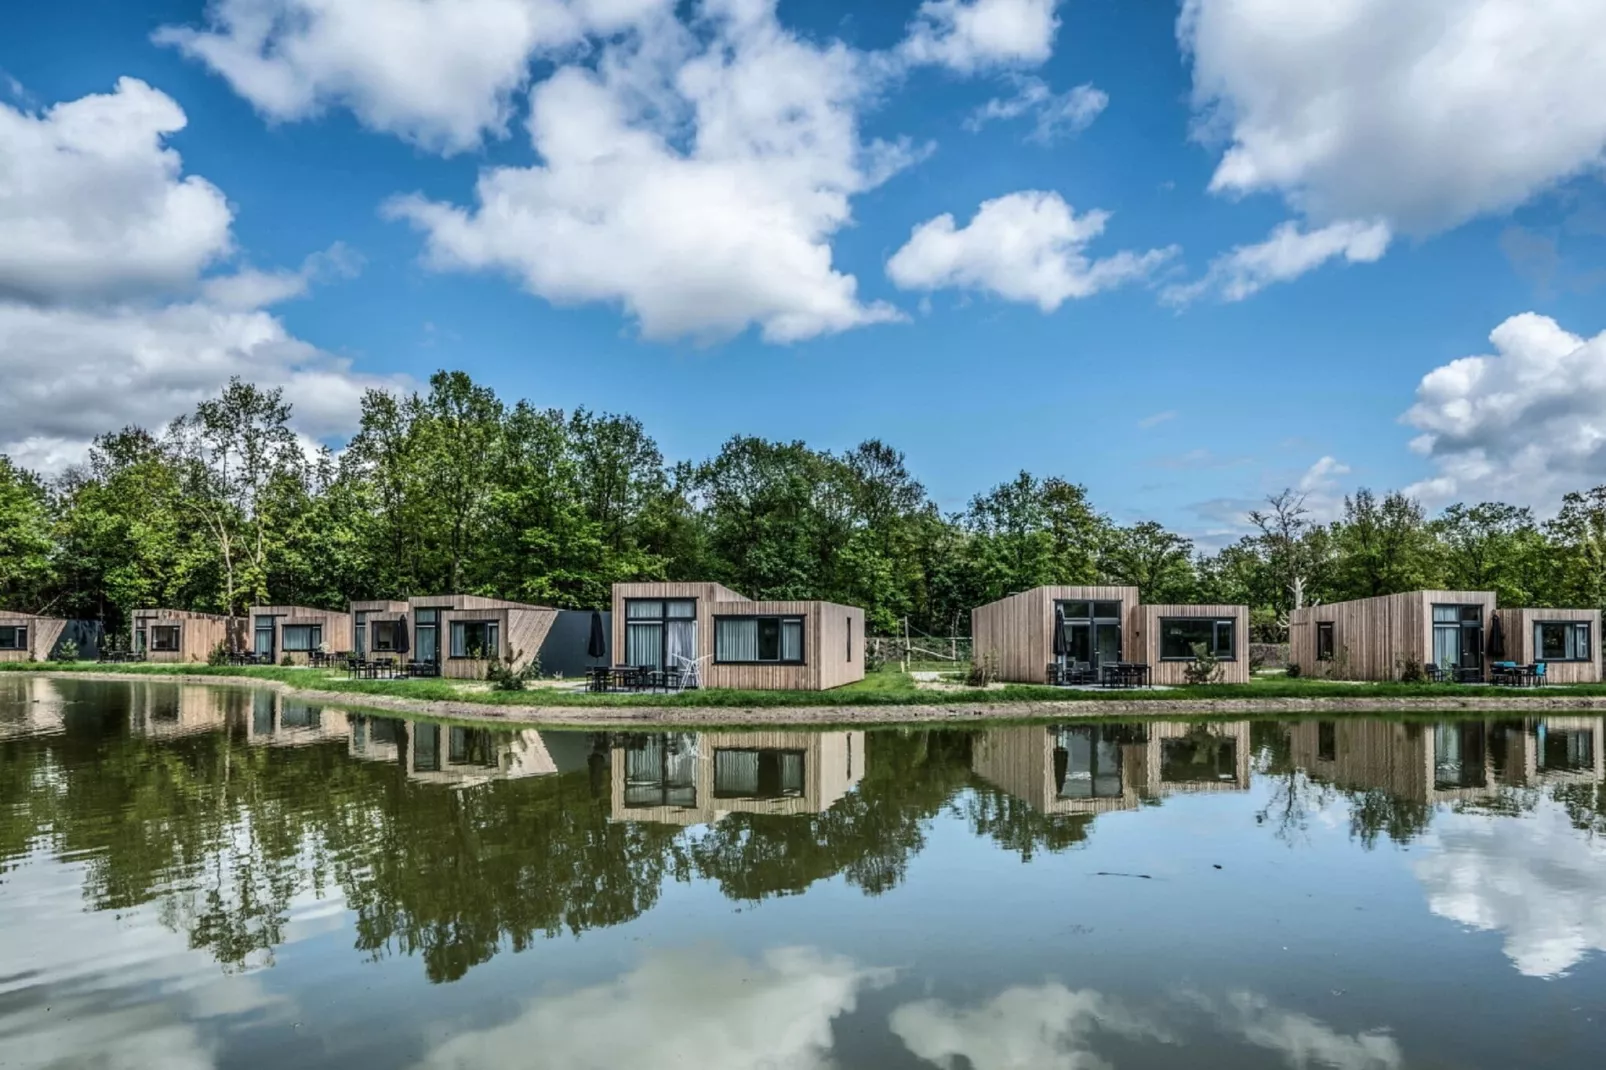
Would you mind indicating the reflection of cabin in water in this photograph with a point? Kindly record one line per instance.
(1099, 768)
(277, 721)
(30, 706)
(689, 778)
(163, 710)
(459, 756)
(1455, 760)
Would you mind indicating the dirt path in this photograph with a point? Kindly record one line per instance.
(826, 714)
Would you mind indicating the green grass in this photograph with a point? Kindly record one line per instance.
(888, 687)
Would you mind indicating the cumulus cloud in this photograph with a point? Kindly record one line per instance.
(711, 1011)
(94, 205)
(251, 288)
(967, 35)
(1536, 880)
(1288, 253)
(1027, 246)
(441, 73)
(1423, 115)
(730, 231)
(1302, 1041)
(1054, 115)
(1525, 423)
(1046, 1027)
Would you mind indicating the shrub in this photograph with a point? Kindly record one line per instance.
(1293, 670)
(287, 662)
(66, 650)
(1205, 668)
(983, 672)
(503, 677)
(1411, 671)
(219, 655)
(873, 660)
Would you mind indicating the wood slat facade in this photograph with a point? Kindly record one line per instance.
(1172, 671)
(521, 629)
(1021, 761)
(1520, 646)
(1018, 632)
(42, 635)
(197, 634)
(833, 763)
(372, 612)
(335, 623)
(833, 637)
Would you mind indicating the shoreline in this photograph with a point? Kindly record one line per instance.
(564, 716)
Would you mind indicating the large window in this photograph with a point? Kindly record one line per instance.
(758, 640)
(476, 639)
(426, 636)
(661, 770)
(1324, 640)
(264, 636)
(1557, 640)
(1087, 762)
(1179, 636)
(758, 774)
(660, 633)
(359, 633)
(1092, 631)
(385, 633)
(426, 748)
(1458, 636)
(302, 638)
(14, 637)
(164, 637)
(472, 746)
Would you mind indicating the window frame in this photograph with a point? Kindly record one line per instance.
(314, 638)
(1215, 631)
(781, 619)
(661, 622)
(1576, 625)
(175, 630)
(451, 644)
(19, 636)
(373, 636)
(1326, 629)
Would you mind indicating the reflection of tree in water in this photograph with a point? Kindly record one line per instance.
(1293, 795)
(1585, 804)
(868, 835)
(1016, 826)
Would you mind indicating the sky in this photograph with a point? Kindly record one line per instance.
(1185, 254)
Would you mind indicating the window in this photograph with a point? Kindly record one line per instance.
(850, 640)
(758, 774)
(1324, 640)
(426, 635)
(758, 640)
(1092, 632)
(1327, 741)
(1180, 635)
(471, 746)
(426, 748)
(476, 639)
(1457, 636)
(302, 638)
(264, 636)
(1558, 640)
(385, 632)
(13, 638)
(139, 641)
(164, 637)
(660, 633)
(359, 634)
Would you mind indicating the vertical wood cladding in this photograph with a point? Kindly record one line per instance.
(1018, 632)
(198, 633)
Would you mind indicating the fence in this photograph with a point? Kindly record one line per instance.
(1268, 655)
(919, 649)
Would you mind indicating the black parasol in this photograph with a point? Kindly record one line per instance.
(1497, 639)
(402, 645)
(597, 645)
(1059, 631)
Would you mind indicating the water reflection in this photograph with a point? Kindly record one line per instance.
(200, 829)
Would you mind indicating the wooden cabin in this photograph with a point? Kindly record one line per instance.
(297, 632)
(461, 633)
(690, 778)
(30, 637)
(1375, 638)
(375, 626)
(1104, 625)
(177, 635)
(736, 642)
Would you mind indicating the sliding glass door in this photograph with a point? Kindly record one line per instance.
(1458, 637)
(1092, 632)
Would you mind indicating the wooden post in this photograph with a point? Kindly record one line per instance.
(905, 644)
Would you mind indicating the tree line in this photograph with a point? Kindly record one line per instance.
(452, 490)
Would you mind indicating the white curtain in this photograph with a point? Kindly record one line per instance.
(791, 640)
(791, 773)
(736, 772)
(1447, 646)
(643, 609)
(644, 645)
(681, 638)
(736, 640)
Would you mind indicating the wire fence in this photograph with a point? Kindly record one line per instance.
(920, 650)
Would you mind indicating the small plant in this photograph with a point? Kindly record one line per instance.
(66, 650)
(1411, 671)
(1338, 666)
(1293, 670)
(1205, 668)
(287, 662)
(983, 672)
(504, 677)
(873, 661)
(219, 655)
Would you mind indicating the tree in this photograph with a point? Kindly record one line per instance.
(1578, 535)
(459, 425)
(1490, 547)
(1284, 525)
(25, 537)
(1152, 559)
(1385, 546)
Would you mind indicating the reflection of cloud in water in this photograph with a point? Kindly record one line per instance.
(1536, 879)
(711, 1011)
(1045, 1026)
(1302, 1041)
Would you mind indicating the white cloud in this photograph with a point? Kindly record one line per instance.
(1287, 254)
(1524, 424)
(441, 73)
(710, 1011)
(93, 204)
(1303, 1042)
(1043, 1027)
(1536, 879)
(1026, 246)
(728, 232)
(1054, 115)
(1421, 114)
(969, 34)
(250, 288)
(1156, 419)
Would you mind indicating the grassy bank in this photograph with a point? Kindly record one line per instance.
(888, 687)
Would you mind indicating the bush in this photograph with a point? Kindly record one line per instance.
(503, 677)
(1411, 671)
(983, 672)
(873, 661)
(287, 662)
(219, 655)
(66, 650)
(1293, 670)
(1205, 668)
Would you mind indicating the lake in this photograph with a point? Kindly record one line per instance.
(207, 877)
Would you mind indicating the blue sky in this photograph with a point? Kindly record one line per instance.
(1440, 174)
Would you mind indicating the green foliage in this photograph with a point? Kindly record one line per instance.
(1293, 670)
(1205, 668)
(218, 655)
(286, 662)
(66, 650)
(1411, 671)
(983, 671)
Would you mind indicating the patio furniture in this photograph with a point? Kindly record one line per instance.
(1469, 675)
(1538, 674)
(1124, 674)
(1080, 673)
(1434, 674)
(1053, 675)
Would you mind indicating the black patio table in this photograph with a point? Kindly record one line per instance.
(1125, 674)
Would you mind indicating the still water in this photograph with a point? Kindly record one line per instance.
(196, 878)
